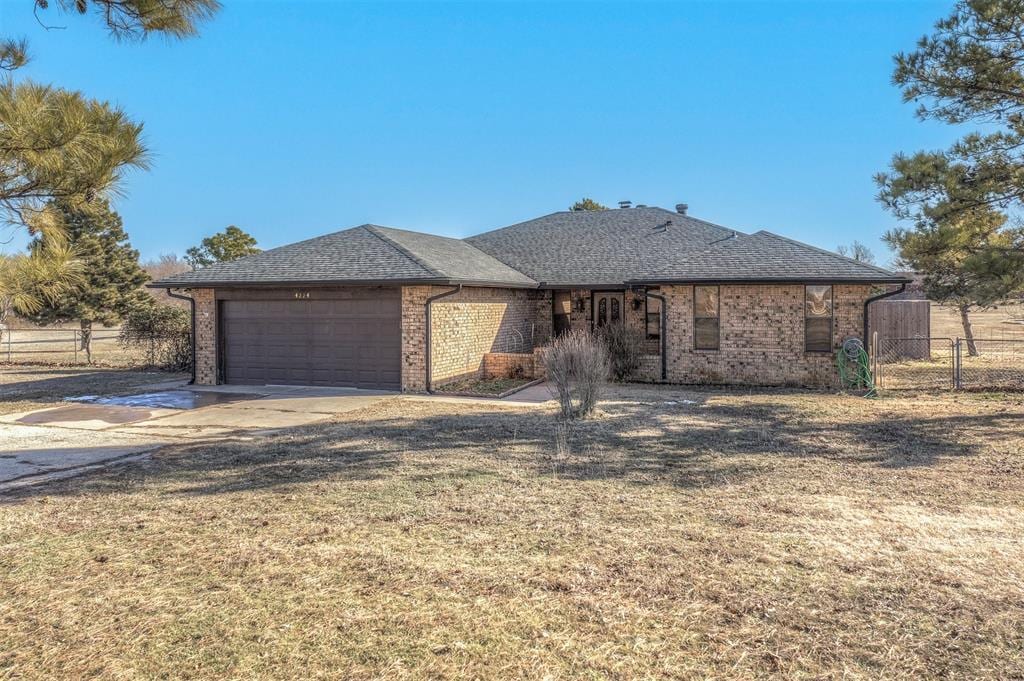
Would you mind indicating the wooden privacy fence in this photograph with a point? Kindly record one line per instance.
(903, 319)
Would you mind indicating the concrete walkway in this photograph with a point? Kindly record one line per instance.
(534, 396)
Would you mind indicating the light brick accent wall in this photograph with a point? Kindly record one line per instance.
(507, 365)
(414, 325)
(206, 336)
(762, 336)
(465, 327)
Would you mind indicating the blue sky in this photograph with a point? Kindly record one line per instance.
(296, 119)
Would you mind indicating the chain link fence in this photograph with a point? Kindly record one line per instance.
(949, 363)
(998, 363)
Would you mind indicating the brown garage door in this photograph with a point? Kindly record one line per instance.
(354, 340)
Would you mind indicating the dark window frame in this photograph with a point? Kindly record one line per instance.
(831, 319)
(647, 319)
(717, 317)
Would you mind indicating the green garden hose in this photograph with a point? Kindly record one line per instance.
(854, 367)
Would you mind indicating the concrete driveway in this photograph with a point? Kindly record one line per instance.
(91, 431)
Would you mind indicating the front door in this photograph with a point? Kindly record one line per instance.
(607, 307)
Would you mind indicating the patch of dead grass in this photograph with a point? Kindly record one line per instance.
(680, 534)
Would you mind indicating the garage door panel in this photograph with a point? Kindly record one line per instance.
(353, 340)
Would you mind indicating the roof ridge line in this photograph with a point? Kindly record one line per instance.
(696, 219)
(515, 224)
(372, 229)
(822, 250)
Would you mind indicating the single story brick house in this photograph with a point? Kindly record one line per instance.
(376, 307)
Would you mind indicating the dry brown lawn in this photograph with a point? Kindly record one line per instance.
(33, 387)
(1006, 321)
(681, 534)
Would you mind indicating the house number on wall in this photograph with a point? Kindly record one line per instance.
(302, 294)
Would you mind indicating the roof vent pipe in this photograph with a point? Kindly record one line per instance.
(681, 208)
(625, 204)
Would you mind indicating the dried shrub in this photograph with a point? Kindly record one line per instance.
(577, 364)
(625, 349)
(163, 332)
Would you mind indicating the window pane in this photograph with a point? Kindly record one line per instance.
(602, 311)
(653, 324)
(563, 302)
(818, 334)
(819, 301)
(615, 310)
(705, 333)
(705, 301)
(653, 318)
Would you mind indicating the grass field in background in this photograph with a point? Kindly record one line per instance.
(1006, 321)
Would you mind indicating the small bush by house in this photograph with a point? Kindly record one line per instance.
(578, 365)
(163, 332)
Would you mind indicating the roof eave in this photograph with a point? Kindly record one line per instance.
(324, 283)
(769, 280)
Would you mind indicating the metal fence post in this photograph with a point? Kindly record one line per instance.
(875, 365)
(957, 365)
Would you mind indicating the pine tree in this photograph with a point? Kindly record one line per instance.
(112, 277)
(951, 252)
(969, 70)
(59, 145)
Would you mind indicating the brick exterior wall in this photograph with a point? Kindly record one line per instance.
(206, 336)
(507, 365)
(465, 327)
(414, 325)
(761, 336)
(488, 330)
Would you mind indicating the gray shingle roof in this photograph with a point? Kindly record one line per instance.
(369, 253)
(598, 247)
(653, 244)
(764, 256)
(587, 248)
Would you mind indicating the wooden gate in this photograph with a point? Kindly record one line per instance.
(903, 319)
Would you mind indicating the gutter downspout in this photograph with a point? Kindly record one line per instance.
(429, 347)
(192, 304)
(664, 329)
(880, 296)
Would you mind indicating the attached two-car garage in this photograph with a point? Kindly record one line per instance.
(328, 337)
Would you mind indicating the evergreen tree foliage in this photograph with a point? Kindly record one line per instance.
(60, 145)
(27, 283)
(954, 254)
(112, 276)
(587, 204)
(970, 70)
(231, 244)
